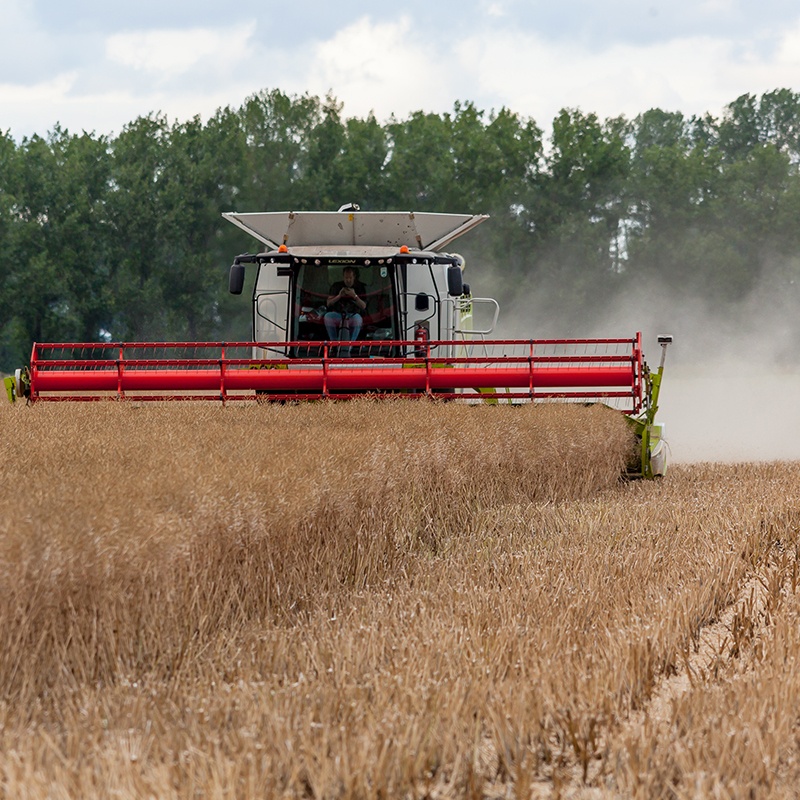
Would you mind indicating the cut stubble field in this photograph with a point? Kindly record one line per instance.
(398, 599)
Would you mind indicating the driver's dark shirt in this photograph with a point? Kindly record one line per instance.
(346, 305)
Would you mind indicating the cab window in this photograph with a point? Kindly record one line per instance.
(311, 293)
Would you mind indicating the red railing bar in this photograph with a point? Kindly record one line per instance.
(53, 364)
(434, 343)
(135, 374)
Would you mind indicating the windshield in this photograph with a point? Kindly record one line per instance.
(316, 282)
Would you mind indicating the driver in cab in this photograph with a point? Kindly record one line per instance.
(345, 303)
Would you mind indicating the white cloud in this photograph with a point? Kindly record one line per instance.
(25, 49)
(180, 73)
(393, 68)
(692, 75)
(390, 64)
(717, 7)
(42, 93)
(168, 53)
(381, 67)
(789, 51)
(495, 9)
(43, 104)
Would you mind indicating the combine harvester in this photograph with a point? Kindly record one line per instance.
(414, 333)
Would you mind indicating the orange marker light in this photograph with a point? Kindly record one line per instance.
(404, 248)
(283, 249)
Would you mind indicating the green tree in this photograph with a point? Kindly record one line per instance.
(575, 213)
(497, 159)
(361, 165)
(134, 211)
(13, 340)
(710, 200)
(277, 131)
(673, 181)
(58, 262)
(202, 170)
(750, 122)
(171, 245)
(322, 173)
(419, 172)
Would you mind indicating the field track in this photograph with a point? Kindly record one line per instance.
(388, 600)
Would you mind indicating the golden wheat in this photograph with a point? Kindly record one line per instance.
(384, 599)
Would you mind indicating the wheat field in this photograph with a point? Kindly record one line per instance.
(388, 600)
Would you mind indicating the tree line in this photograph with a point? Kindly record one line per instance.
(120, 237)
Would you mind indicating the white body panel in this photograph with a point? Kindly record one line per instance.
(343, 229)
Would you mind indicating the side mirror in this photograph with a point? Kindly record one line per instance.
(236, 278)
(467, 290)
(455, 281)
(422, 302)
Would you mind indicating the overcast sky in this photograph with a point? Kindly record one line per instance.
(95, 65)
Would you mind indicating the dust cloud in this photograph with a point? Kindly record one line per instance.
(732, 377)
(731, 387)
(736, 412)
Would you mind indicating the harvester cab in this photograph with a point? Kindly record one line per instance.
(410, 326)
(413, 290)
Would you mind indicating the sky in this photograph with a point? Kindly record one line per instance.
(92, 65)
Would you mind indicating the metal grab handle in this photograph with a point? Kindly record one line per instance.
(488, 330)
(265, 299)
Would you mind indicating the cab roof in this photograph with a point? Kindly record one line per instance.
(355, 229)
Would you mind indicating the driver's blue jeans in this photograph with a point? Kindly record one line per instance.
(334, 322)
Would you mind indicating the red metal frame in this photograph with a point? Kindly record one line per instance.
(509, 369)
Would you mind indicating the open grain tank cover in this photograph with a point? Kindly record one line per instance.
(422, 231)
